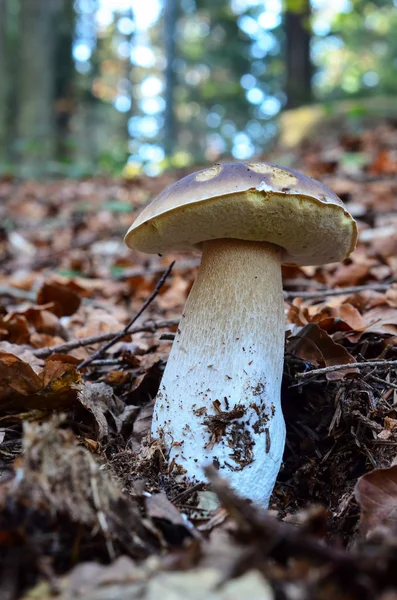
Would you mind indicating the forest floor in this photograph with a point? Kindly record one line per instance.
(88, 507)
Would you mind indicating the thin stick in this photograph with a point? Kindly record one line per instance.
(107, 362)
(13, 292)
(353, 365)
(103, 337)
(186, 493)
(389, 384)
(268, 533)
(327, 292)
(167, 336)
(124, 332)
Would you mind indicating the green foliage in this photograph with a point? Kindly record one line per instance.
(359, 55)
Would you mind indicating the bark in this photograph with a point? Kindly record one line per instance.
(36, 85)
(298, 63)
(170, 14)
(64, 78)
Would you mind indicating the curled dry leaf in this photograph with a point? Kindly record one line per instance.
(14, 329)
(167, 519)
(376, 494)
(316, 346)
(65, 302)
(99, 400)
(22, 388)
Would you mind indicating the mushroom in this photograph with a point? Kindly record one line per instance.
(219, 399)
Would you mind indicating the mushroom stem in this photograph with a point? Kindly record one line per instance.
(219, 399)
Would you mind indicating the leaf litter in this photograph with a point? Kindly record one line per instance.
(88, 505)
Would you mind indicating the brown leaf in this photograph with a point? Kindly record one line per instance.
(22, 388)
(16, 376)
(99, 400)
(141, 425)
(59, 376)
(385, 163)
(159, 507)
(65, 301)
(352, 274)
(315, 345)
(376, 493)
(381, 319)
(15, 329)
(25, 353)
(43, 319)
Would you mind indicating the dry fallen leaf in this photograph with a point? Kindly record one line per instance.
(316, 346)
(65, 302)
(22, 388)
(99, 400)
(376, 494)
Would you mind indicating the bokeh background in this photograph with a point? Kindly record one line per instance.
(125, 86)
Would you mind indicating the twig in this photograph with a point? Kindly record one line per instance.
(13, 292)
(186, 493)
(124, 332)
(328, 292)
(389, 384)
(353, 365)
(103, 337)
(107, 362)
(268, 534)
(167, 336)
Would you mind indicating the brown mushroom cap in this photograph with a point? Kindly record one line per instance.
(248, 201)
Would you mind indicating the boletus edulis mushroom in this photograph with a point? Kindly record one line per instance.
(219, 399)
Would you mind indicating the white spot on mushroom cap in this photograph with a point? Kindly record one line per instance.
(209, 173)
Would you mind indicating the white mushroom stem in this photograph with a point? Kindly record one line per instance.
(219, 400)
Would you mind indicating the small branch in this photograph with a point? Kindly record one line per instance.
(107, 362)
(124, 332)
(169, 337)
(353, 365)
(186, 493)
(151, 326)
(13, 292)
(267, 534)
(389, 384)
(321, 293)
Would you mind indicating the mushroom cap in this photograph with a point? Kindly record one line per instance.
(249, 201)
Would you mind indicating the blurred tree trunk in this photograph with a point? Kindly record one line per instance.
(128, 75)
(3, 82)
(36, 84)
(298, 62)
(64, 79)
(170, 15)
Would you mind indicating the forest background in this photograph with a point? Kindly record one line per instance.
(121, 86)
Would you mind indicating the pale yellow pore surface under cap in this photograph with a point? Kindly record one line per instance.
(248, 201)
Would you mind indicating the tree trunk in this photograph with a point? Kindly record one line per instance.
(64, 79)
(3, 82)
(170, 14)
(36, 85)
(298, 63)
